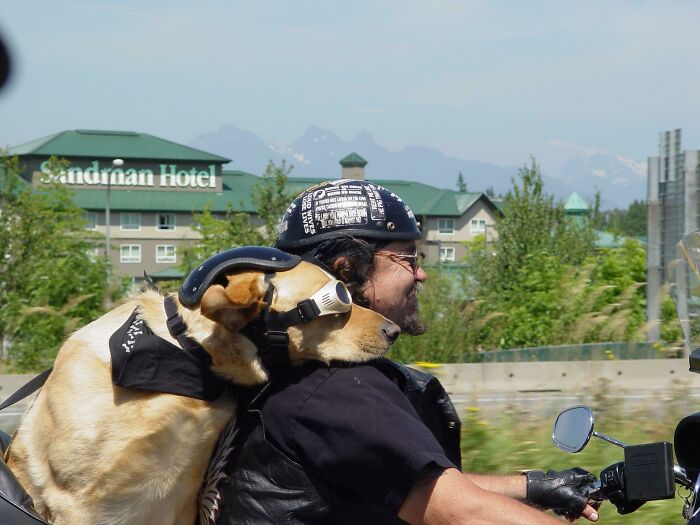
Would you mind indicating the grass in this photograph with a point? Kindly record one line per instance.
(519, 441)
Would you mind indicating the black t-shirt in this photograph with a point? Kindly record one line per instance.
(352, 428)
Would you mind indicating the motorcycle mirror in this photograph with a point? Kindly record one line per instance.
(573, 428)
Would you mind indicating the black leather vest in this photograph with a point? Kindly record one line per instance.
(263, 485)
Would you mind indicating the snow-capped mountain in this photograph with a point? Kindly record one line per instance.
(619, 179)
(317, 151)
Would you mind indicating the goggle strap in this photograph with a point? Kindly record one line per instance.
(275, 352)
(305, 311)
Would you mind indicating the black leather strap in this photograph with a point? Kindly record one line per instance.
(16, 505)
(177, 328)
(27, 389)
(149, 282)
(306, 311)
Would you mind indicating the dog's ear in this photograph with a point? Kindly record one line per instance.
(238, 303)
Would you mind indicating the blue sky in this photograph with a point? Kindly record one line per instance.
(490, 81)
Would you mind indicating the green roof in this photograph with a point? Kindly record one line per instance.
(610, 240)
(422, 198)
(168, 273)
(575, 203)
(237, 193)
(353, 161)
(112, 144)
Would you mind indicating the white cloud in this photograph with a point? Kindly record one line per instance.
(599, 173)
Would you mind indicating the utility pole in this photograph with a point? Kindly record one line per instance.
(116, 163)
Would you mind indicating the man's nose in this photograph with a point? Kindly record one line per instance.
(420, 274)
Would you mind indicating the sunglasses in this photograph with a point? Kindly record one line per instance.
(401, 258)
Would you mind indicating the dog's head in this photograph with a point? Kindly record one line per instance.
(355, 335)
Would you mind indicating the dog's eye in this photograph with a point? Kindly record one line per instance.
(342, 292)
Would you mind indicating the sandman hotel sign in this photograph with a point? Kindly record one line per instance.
(162, 176)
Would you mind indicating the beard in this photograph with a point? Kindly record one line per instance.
(412, 324)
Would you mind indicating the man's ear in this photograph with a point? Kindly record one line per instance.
(238, 303)
(344, 268)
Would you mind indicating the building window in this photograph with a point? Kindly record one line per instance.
(447, 254)
(90, 220)
(477, 226)
(130, 221)
(446, 225)
(130, 253)
(166, 221)
(165, 253)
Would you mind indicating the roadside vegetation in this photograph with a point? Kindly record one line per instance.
(518, 441)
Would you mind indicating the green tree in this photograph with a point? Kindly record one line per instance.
(631, 222)
(522, 282)
(597, 218)
(671, 331)
(461, 185)
(617, 295)
(442, 306)
(219, 233)
(533, 225)
(50, 280)
(237, 228)
(271, 198)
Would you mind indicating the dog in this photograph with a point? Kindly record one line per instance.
(90, 452)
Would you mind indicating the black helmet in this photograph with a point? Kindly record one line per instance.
(346, 206)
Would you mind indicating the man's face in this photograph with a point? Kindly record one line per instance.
(393, 286)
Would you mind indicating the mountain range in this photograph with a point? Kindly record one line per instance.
(317, 151)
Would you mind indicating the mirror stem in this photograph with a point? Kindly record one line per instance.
(609, 439)
(681, 477)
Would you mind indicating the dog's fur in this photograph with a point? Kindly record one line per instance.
(89, 452)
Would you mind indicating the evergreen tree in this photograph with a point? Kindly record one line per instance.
(461, 185)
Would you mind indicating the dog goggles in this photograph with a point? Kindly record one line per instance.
(332, 298)
(269, 331)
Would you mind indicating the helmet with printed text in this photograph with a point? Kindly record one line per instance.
(357, 208)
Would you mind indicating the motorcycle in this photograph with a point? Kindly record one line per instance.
(648, 472)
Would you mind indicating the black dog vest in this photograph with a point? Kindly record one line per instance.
(141, 359)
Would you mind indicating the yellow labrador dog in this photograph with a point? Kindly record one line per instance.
(90, 452)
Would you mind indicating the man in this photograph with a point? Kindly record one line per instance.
(372, 442)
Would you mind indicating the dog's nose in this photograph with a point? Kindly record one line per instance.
(391, 331)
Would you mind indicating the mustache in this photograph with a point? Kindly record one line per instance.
(413, 324)
(416, 289)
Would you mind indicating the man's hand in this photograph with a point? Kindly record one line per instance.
(563, 492)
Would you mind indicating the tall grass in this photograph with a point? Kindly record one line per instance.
(517, 442)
